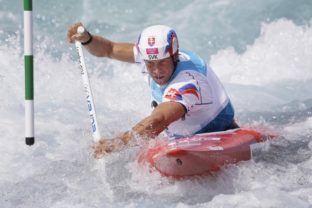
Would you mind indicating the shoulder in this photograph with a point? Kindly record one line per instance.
(190, 61)
(184, 81)
(186, 55)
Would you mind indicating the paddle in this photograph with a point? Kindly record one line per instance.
(94, 125)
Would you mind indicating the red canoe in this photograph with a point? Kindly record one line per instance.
(202, 153)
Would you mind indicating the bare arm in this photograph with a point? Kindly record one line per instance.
(162, 116)
(100, 46)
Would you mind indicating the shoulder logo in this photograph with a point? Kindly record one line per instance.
(173, 94)
(189, 89)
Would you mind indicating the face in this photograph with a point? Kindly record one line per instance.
(160, 70)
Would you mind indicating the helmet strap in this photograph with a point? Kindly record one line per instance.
(175, 62)
(175, 58)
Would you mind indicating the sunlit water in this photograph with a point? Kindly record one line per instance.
(261, 50)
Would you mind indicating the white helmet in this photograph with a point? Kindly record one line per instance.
(157, 42)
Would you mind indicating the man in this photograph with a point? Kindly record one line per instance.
(187, 96)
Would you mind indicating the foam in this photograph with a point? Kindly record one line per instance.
(59, 171)
(281, 53)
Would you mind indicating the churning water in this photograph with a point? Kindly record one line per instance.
(260, 49)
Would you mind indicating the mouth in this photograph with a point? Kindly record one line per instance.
(158, 77)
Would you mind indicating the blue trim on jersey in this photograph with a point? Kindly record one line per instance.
(157, 91)
(221, 122)
(195, 63)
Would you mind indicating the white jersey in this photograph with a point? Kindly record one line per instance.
(196, 87)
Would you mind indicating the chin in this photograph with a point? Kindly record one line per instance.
(160, 82)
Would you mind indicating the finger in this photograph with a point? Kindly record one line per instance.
(74, 27)
(72, 30)
(76, 37)
(99, 154)
(80, 37)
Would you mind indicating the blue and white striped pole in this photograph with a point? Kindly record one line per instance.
(29, 83)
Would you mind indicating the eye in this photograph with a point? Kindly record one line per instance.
(149, 64)
(160, 63)
(163, 63)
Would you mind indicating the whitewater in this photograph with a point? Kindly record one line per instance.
(261, 51)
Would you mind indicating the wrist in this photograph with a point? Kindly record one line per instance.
(126, 137)
(89, 40)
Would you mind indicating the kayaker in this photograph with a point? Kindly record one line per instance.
(187, 96)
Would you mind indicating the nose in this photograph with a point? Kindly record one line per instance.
(156, 70)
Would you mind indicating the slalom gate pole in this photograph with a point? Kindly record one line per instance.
(94, 125)
(28, 65)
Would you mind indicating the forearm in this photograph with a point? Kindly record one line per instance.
(162, 116)
(147, 128)
(158, 121)
(102, 47)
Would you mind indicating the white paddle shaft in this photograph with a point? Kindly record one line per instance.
(94, 125)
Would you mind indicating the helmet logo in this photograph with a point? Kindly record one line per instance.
(152, 51)
(151, 40)
(153, 57)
